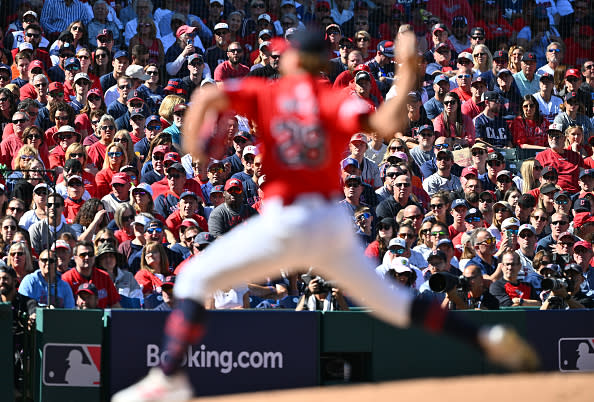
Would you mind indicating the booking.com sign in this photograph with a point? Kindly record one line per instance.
(201, 357)
(236, 355)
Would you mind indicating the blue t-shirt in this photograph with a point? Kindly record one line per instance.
(35, 286)
(493, 131)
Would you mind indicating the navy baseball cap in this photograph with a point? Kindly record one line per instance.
(4, 67)
(436, 255)
(87, 288)
(459, 203)
(587, 172)
(204, 238)
(349, 162)
(500, 54)
(425, 127)
(121, 53)
(582, 205)
(152, 118)
(217, 189)
(529, 56)
(189, 194)
(72, 61)
(440, 78)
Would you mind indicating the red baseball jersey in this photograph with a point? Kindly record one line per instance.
(304, 127)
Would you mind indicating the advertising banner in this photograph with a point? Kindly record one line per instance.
(243, 351)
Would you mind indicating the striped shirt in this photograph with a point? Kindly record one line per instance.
(56, 15)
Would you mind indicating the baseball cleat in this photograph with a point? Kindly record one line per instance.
(157, 387)
(505, 347)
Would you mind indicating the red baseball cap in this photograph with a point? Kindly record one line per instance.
(35, 64)
(56, 86)
(120, 178)
(172, 156)
(184, 29)
(161, 149)
(582, 243)
(233, 183)
(362, 67)
(469, 170)
(358, 137)
(95, 91)
(573, 72)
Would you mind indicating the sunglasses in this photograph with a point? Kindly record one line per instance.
(555, 223)
(512, 231)
(72, 68)
(398, 251)
(480, 54)
(392, 175)
(17, 254)
(540, 218)
(128, 86)
(352, 184)
(463, 76)
(487, 200)
(439, 233)
(28, 157)
(444, 158)
(471, 219)
(116, 154)
(504, 179)
(500, 210)
(398, 148)
(54, 205)
(62, 118)
(93, 98)
(488, 241)
(437, 206)
(561, 202)
(362, 39)
(555, 136)
(478, 37)
(77, 28)
(441, 146)
(76, 155)
(33, 35)
(406, 235)
(41, 193)
(20, 121)
(75, 183)
(139, 192)
(478, 152)
(34, 137)
(216, 170)
(41, 85)
(525, 235)
(101, 55)
(405, 185)
(105, 128)
(87, 254)
(123, 140)
(83, 57)
(363, 216)
(10, 227)
(384, 227)
(235, 190)
(56, 94)
(47, 260)
(63, 137)
(126, 218)
(450, 102)
(494, 163)
(174, 176)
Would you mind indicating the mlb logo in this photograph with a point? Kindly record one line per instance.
(71, 365)
(576, 354)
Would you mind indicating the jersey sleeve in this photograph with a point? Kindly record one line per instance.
(348, 112)
(243, 94)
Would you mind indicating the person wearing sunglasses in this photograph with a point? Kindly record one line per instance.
(437, 262)
(42, 232)
(443, 179)
(566, 161)
(559, 225)
(489, 124)
(189, 207)
(35, 284)
(19, 257)
(487, 256)
(64, 137)
(509, 289)
(73, 203)
(85, 271)
(120, 191)
(473, 106)
(168, 191)
(232, 212)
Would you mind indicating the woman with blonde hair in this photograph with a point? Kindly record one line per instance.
(123, 137)
(104, 235)
(425, 242)
(515, 57)
(166, 108)
(501, 211)
(530, 172)
(483, 59)
(22, 160)
(19, 258)
(154, 266)
(574, 140)
(546, 200)
(362, 43)
(34, 136)
(115, 159)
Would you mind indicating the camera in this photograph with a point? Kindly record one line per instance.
(324, 286)
(444, 282)
(556, 284)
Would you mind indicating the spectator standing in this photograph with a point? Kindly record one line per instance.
(509, 290)
(48, 230)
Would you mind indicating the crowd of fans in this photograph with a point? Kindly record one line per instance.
(100, 206)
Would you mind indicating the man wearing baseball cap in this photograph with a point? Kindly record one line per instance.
(189, 208)
(527, 79)
(218, 52)
(434, 106)
(423, 152)
(443, 179)
(167, 192)
(582, 255)
(566, 161)
(120, 62)
(369, 170)
(120, 193)
(475, 105)
(232, 212)
(459, 37)
(489, 124)
(381, 67)
(548, 104)
(571, 296)
(250, 187)
(527, 244)
(573, 83)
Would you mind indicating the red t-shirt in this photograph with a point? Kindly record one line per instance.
(108, 295)
(568, 165)
(148, 281)
(174, 221)
(71, 208)
(471, 109)
(304, 128)
(161, 187)
(88, 181)
(464, 96)
(528, 132)
(446, 11)
(57, 157)
(103, 180)
(495, 29)
(225, 71)
(96, 153)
